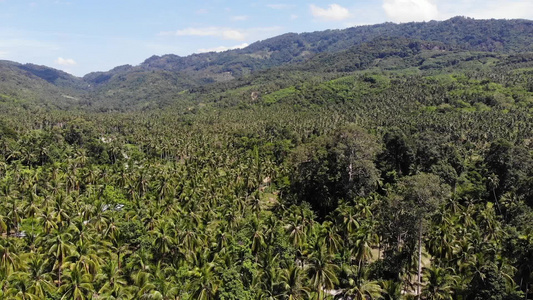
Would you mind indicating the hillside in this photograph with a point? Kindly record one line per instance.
(457, 33)
(39, 85)
(162, 80)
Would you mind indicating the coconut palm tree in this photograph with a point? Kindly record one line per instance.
(293, 283)
(59, 248)
(115, 285)
(163, 241)
(439, 284)
(37, 270)
(143, 284)
(20, 287)
(164, 287)
(205, 283)
(392, 290)
(362, 289)
(77, 284)
(9, 258)
(357, 286)
(322, 271)
(330, 238)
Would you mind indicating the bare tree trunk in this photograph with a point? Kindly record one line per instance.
(419, 283)
(379, 247)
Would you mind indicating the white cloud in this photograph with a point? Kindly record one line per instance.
(222, 48)
(487, 9)
(224, 32)
(334, 12)
(207, 31)
(280, 6)
(239, 18)
(411, 10)
(233, 34)
(504, 10)
(3, 53)
(294, 17)
(65, 61)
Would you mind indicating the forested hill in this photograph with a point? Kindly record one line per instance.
(161, 80)
(458, 33)
(506, 36)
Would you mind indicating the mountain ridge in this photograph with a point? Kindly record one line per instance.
(163, 78)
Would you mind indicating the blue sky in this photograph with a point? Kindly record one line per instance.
(81, 36)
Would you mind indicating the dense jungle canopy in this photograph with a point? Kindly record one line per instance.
(377, 162)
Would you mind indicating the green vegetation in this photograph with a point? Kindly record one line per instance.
(390, 168)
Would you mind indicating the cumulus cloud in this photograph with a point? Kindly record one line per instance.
(65, 61)
(3, 53)
(222, 48)
(411, 10)
(334, 12)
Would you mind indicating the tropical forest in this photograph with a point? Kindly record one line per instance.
(390, 161)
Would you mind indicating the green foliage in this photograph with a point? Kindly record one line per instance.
(333, 168)
(302, 166)
(490, 283)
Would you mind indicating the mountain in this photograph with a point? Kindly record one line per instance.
(48, 87)
(459, 33)
(162, 80)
